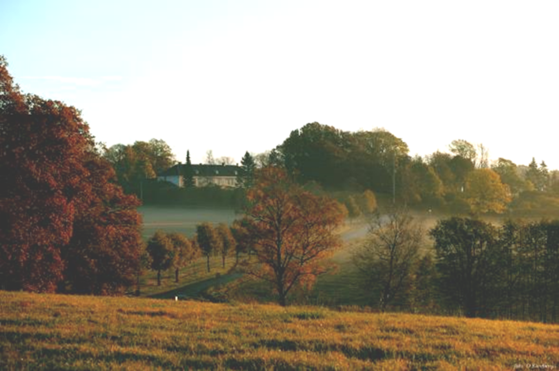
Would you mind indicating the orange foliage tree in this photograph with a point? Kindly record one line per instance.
(56, 200)
(293, 232)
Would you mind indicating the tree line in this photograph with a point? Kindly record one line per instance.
(475, 269)
(462, 180)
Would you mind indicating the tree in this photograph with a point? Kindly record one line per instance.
(161, 250)
(245, 178)
(538, 176)
(422, 183)
(64, 223)
(228, 242)
(423, 293)
(387, 258)
(464, 149)
(243, 238)
(293, 231)
(367, 202)
(184, 253)
(485, 192)
(466, 261)
(352, 207)
(225, 160)
(134, 164)
(105, 251)
(208, 240)
(188, 172)
(210, 160)
(508, 171)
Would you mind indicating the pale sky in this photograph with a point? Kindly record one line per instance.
(236, 76)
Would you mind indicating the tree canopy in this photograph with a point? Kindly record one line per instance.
(293, 231)
(64, 223)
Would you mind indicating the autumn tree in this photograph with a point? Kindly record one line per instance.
(135, 164)
(422, 183)
(161, 250)
(209, 241)
(64, 223)
(228, 242)
(387, 258)
(105, 250)
(485, 192)
(293, 231)
(243, 238)
(184, 252)
(367, 202)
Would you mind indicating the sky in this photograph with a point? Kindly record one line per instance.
(237, 76)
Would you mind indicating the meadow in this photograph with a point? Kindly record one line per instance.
(45, 332)
(181, 219)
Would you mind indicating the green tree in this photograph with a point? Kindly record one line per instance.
(485, 192)
(464, 149)
(161, 250)
(424, 293)
(209, 240)
(538, 176)
(466, 261)
(188, 172)
(508, 171)
(245, 178)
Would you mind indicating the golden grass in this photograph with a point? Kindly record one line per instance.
(73, 332)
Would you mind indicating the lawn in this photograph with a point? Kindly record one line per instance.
(45, 332)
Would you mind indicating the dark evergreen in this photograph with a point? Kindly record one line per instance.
(245, 179)
(188, 172)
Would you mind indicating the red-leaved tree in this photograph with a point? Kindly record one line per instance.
(293, 231)
(49, 180)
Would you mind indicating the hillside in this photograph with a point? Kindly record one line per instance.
(73, 332)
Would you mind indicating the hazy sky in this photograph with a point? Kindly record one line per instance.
(233, 76)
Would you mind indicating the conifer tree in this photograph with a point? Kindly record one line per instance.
(188, 172)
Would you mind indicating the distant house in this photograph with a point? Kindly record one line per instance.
(220, 175)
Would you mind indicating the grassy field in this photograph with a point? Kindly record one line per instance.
(45, 332)
(181, 219)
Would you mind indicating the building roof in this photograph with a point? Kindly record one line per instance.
(205, 170)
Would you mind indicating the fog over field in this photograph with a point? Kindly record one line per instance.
(181, 219)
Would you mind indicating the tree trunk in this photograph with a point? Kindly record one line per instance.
(223, 257)
(159, 278)
(208, 262)
(282, 299)
(177, 275)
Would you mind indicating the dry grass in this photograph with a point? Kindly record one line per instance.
(72, 332)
